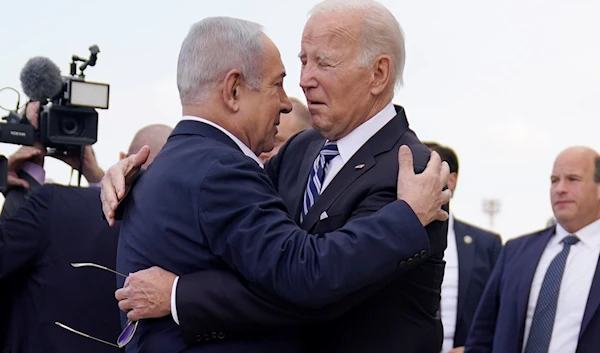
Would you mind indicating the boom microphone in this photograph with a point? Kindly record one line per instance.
(41, 79)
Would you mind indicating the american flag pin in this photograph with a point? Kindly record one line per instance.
(359, 166)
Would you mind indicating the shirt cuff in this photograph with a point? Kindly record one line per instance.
(36, 171)
(174, 301)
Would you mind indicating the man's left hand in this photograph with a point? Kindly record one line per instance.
(146, 294)
(458, 350)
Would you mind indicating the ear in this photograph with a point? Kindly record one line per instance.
(452, 180)
(231, 89)
(122, 155)
(382, 71)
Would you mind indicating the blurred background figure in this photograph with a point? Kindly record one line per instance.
(470, 258)
(47, 230)
(544, 294)
(289, 124)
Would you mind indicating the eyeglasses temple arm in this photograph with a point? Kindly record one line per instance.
(85, 334)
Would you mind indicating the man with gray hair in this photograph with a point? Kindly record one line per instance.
(205, 203)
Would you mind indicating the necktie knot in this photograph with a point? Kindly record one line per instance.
(570, 240)
(329, 151)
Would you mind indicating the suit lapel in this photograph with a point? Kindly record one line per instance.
(383, 141)
(346, 176)
(305, 168)
(593, 301)
(466, 252)
(526, 266)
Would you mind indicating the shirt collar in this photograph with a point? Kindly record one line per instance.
(588, 235)
(247, 151)
(349, 144)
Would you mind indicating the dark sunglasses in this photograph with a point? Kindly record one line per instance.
(129, 330)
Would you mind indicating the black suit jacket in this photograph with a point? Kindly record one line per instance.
(499, 323)
(56, 226)
(478, 251)
(401, 317)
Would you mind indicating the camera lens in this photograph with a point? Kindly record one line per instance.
(69, 126)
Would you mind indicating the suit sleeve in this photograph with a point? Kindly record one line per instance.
(22, 235)
(16, 197)
(221, 301)
(246, 223)
(481, 334)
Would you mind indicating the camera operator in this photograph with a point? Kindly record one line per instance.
(48, 228)
(26, 167)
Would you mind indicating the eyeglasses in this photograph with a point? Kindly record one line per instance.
(129, 330)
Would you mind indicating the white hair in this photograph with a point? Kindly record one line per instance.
(381, 32)
(212, 48)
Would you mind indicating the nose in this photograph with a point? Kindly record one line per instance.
(285, 105)
(307, 77)
(560, 187)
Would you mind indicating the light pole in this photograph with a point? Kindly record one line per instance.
(491, 207)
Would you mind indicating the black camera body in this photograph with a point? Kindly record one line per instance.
(65, 127)
(70, 120)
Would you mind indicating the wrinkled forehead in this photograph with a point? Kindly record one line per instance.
(331, 30)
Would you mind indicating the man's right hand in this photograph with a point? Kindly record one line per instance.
(16, 160)
(424, 192)
(118, 180)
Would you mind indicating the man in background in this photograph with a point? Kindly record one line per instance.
(289, 124)
(470, 258)
(544, 293)
(54, 227)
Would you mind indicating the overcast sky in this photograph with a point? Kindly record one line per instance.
(507, 84)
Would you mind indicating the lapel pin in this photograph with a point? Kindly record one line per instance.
(359, 166)
(323, 216)
(468, 239)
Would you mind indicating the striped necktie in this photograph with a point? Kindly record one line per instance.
(317, 175)
(542, 323)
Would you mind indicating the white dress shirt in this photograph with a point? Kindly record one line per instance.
(449, 302)
(574, 289)
(349, 144)
(248, 153)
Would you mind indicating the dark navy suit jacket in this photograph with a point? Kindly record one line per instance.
(499, 324)
(56, 226)
(397, 315)
(476, 259)
(203, 204)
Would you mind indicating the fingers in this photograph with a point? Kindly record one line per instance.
(16, 182)
(117, 179)
(444, 173)
(442, 216)
(135, 315)
(141, 157)
(446, 196)
(108, 197)
(434, 164)
(405, 161)
(24, 153)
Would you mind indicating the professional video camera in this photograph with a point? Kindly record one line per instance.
(68, 120)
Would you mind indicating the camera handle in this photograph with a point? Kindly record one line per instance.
(94, 50)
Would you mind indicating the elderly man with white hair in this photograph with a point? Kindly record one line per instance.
(342, 170)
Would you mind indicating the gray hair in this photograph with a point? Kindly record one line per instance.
(381, 32)
(212, 48)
